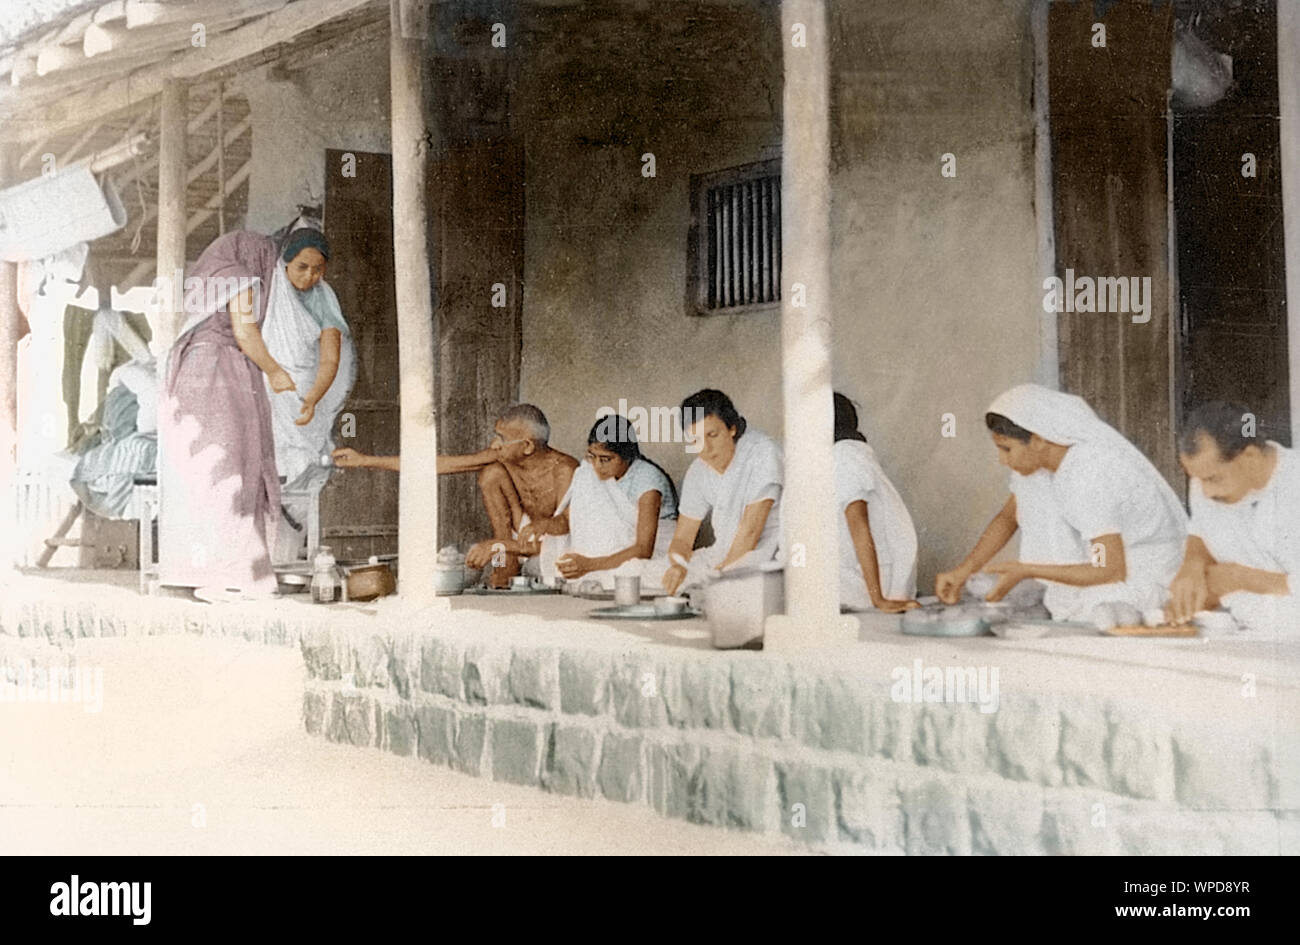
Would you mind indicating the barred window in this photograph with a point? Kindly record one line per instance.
(735, 241)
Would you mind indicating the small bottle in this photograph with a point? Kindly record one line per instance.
(326, 584)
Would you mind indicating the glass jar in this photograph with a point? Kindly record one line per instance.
(326, 577)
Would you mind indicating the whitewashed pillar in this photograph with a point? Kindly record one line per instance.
(417, 523)
(9, 321)
(171, 216)
(809, 529)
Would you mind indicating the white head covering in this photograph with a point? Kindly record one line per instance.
(1068, 420)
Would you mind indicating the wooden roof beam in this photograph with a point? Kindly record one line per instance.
(273, 29)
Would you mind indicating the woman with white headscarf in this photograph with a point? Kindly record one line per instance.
(1099, 523)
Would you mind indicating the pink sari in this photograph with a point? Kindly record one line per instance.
(219, 490)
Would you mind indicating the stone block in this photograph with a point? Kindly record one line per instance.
(485, 675)
(671, 776)
(951, 735)
(319, 655)
(315, 704)
(471, 732)
(368, 657)
(516, 751)
(1006, 818)
(1220, 770)
(584, 682)
(571, 761)
(869, 811)
(620, 775)
(760, 697)
(1080, 823)
(1025, 739)
(437, 734)
(697, 692)
(829, 711)
(1084, 737)
(935, 821)
(1139, 754)
(403, 663)
(732, 789)
(807, 802)
(440, 667)
(534, 678)
(352, 720)
(399, 732)
(636, 690)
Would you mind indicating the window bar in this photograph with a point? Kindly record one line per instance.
(762, 240)
(776, 237)
(746, 245)
(755, 233)
(711, 226)
(724, 219)
(736, 291)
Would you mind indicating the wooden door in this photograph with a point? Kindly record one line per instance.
(359, 506)
(476, 196)
(1109, 130)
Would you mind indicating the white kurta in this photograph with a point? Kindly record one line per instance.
(754, 474)
(1261, 531)
(859, 477)
(1103, 486)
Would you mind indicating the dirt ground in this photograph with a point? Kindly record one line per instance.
(198, 749)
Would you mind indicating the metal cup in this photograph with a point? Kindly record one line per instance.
(627, 590)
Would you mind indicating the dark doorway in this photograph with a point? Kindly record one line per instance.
(1232, 326)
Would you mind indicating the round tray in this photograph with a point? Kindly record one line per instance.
(641, 612)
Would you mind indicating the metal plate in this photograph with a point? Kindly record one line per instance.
(640, 612)
(482, 591)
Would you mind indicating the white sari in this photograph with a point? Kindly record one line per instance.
(292, 330)
(603, 521)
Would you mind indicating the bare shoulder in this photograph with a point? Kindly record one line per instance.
(566, 461)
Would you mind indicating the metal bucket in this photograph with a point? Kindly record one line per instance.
(737, 604)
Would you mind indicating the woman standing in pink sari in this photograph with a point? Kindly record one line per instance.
(220, 492)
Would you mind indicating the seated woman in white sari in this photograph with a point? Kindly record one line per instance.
(736, 479)
(617, 514)
(877, 537)
(1100, 526)
(305, 332)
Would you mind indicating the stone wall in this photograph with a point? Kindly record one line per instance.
(1095, 746)
(823, 754)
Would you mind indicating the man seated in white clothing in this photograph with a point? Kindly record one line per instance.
(618, 513)
(736, 479)
(1244, 542)
(877, 537)
(1099, 524)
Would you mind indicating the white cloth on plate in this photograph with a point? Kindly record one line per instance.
(1104, 485)
(859, 477)
(1261, 530)
(754, 474)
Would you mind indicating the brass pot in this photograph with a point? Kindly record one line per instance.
(370, 581)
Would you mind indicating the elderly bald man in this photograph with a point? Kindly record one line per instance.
(521, 480)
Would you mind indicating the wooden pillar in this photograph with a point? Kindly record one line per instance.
(809, 532)
(417, 520)
(171, 217)
(1288, 93)
(1049, 367)
(9, 322)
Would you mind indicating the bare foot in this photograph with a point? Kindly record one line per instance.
(500, 577)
